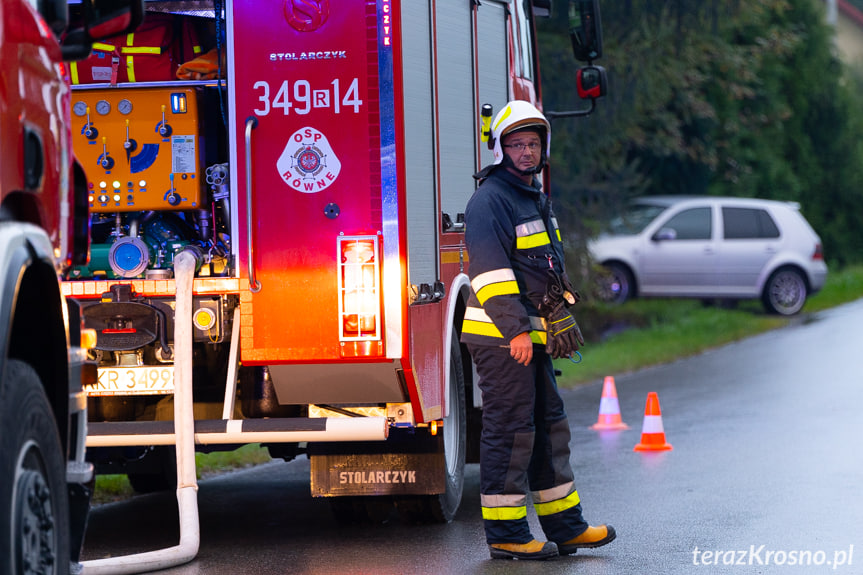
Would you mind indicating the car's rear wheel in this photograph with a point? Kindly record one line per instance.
(785, 292)
(614, 284)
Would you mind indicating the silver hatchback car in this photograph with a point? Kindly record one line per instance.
(711, 247)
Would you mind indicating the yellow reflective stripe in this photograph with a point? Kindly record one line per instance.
(478, 314)
(532, 241)
(557, 506)
(490, 330)
(556, 229)
(73, 72)
(504, 513)
(481, 328)
(140, 50)
(477, 322)
(503, 288)
(553, 493)
(531, 234)
(103, 47)
(130, 64)
(494, 276)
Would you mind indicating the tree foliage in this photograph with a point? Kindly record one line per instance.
(711, 97)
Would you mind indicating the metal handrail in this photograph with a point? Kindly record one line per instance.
(254, 284)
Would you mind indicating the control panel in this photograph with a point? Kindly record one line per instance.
(140, 148)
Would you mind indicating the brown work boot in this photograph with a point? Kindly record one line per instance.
(592, 537)
(531, 550)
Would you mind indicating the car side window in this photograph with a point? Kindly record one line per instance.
(692, 224)
(748, 223)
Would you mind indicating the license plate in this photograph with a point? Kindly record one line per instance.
(140, 380)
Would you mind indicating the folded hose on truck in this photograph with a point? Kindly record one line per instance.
(184, 430)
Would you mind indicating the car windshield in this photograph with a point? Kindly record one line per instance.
(634, 220)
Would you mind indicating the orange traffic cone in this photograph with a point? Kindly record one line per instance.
(609, 408)
(652, 432)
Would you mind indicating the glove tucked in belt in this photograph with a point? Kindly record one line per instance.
(563, 334)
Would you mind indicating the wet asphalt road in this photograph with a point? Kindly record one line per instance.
(766, 470)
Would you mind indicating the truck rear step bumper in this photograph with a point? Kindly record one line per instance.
(224, 431)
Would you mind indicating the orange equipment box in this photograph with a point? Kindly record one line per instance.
(140, 147)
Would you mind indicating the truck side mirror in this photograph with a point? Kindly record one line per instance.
(591, 82)
(585, 29)
(541, 8)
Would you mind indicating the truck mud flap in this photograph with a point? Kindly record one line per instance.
(377, 474)
(370, 472)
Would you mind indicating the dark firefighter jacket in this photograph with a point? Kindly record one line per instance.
(512, 242)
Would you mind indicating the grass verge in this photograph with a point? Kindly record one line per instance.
(115, 487)
(641, 333)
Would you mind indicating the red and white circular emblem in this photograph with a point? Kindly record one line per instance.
(308, 163)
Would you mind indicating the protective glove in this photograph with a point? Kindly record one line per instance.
(558, 289)
(570, 294)
(563, 336)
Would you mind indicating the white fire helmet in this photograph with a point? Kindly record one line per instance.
(514, 116)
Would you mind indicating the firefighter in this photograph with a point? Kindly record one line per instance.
(516, 322)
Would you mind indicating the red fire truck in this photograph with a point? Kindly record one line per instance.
(313, 165)
(44, 478)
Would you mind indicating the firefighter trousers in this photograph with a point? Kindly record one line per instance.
(524, 447)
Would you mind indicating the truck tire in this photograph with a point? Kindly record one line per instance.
(442, 508)
(34, 512)
(454, 439)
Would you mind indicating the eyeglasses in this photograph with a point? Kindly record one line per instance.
(533, 146)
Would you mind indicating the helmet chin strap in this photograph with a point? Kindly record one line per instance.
(508, 163)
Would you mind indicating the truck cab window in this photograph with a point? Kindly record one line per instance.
(524, 49)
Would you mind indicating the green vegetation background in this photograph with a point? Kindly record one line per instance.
(719, 97)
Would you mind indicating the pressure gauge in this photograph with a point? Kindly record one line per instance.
(80, 108)
(124, 106)
(103, 107)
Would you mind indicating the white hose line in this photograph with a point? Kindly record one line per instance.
(184, 429)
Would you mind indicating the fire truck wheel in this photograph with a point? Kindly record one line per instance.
(443, 507)
(33, 489)
(161, 474)
(454, 439)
